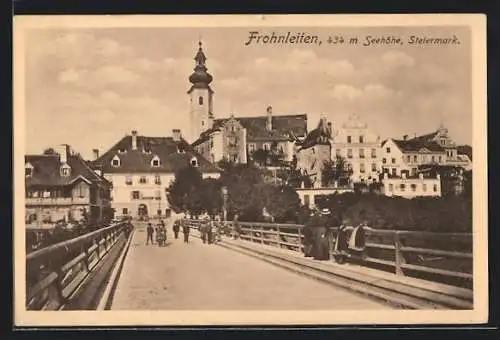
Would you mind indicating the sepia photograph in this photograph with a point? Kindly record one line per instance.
(250, 170)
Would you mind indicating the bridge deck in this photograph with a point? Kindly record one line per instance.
(196, 276)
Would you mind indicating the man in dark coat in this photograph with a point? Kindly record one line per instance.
(176, 229)
(185, 230)
(150, 231)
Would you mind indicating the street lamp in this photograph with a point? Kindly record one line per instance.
(224, 202)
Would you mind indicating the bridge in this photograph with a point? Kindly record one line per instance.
(264, 269)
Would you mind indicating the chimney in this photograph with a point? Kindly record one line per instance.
(63, 151)
(269, 122)
(134, 140)
(176, 135)
(405, 137)
(95, 153)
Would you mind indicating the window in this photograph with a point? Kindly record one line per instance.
(157, 179)
(361, 139)
(28, 172)
(424, 158)
(349, 139)
(200, 100)
(211, 143)
(424, 187)
(121, 151)
(394, 173)
(202, 123)
(46, 194)
(306, 200)
(65, 171)
(115, 162)
(361, 153)
(143, 180)
(313, 151)
(408, 159)
(338, 152)
(413, 187)
(193, 162)
(388, 150)
(391, 187)
(128, 180)
(415, 158)
(362, 167)
(374, 153)
(136, 195)
(393, 160)
(374, 167)
(384, 160)
(435, 188)
(433, 159)
(440, 159)
(155, 162)
(267, 146)
(413, 171)
(402, 187)
(125, 211)
(349, 153)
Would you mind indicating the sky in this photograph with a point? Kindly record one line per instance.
(90, 87)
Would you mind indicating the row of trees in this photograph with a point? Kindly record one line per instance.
(248, 193)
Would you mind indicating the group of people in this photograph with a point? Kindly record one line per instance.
(161, 233)
(210, 230)
(326, 233)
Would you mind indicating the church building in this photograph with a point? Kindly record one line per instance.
(238, 139)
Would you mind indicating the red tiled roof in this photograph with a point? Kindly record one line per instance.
(46, 171)
(173, 156)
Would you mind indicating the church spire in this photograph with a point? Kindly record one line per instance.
(200, 78)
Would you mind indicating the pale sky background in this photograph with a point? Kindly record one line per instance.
(90, 87)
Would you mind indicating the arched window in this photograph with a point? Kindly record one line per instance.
(155, 162)
(200, 100)
(194, 162)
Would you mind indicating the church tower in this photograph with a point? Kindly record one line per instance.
(201, 97)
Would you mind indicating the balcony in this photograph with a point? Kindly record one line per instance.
(48, 201)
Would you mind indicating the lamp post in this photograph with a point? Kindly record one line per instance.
(224, 202)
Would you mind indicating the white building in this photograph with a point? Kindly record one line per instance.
(407, 154)
(360, 147)
(410, 187)
(141, 169)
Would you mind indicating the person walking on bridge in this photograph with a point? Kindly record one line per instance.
(185, 230)
(176, 229)
(149, 231)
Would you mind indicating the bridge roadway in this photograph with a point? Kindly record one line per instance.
(197, 276)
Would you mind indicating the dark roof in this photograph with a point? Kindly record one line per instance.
(319, 136)
(173, 156)
(46, 171)
(415, 145)
(465, 150)
(284, 127)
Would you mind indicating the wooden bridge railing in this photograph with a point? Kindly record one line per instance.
(54, 273)
(428, 255)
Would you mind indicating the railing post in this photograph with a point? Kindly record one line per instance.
(85, 250)
(278, 236)
(261, 234)
(399, 258)
(299, 233)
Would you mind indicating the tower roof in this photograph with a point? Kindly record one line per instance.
(200, 78)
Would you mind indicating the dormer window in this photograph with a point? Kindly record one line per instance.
(28, 170)
(115, 162)
(194, 162)
(155, 162)
(122, 151)
(147, 151)
(65, 170)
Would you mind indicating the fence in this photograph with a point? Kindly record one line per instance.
(54, 273)
(427, 255)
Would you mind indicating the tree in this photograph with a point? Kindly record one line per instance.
(49, 151)
(184, 191)
(335, 171)
(261, 156)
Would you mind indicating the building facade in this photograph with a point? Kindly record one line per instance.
(408, 154)
(411, 186)
(142, 168)
(61, 186)
(239, 139)
(314, 151)
(360, 147)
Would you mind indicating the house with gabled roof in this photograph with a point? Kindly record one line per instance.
(60, 185)
(407, 154)
(141, 169)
